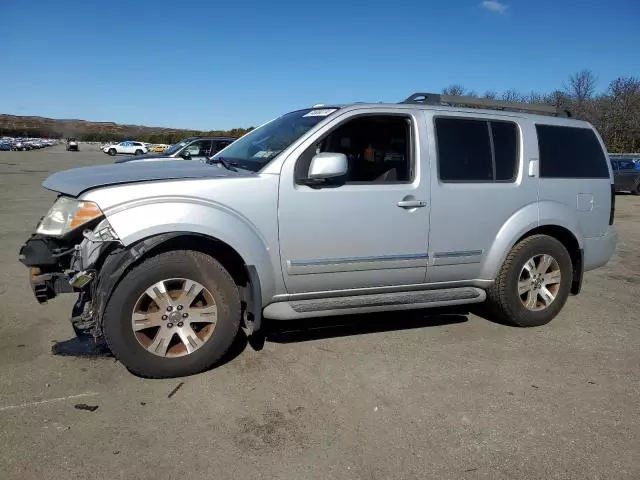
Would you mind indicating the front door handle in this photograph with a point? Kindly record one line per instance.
(412, 203)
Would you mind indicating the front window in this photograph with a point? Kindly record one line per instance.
(260, 146)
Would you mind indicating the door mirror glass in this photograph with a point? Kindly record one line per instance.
(186, 154)
(328, 165)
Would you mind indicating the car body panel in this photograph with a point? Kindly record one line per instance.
(221, 210)
(77, 180)
(332, 251)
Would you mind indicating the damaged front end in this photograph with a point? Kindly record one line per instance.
(65, 255)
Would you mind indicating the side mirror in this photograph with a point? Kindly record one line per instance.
(328, 165)
(186, 154)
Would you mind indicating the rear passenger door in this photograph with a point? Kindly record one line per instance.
(478, 184)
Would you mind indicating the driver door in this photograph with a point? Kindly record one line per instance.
(362, 232)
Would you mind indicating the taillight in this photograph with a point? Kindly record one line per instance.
(612, 212)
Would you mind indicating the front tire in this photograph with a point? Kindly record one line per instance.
(112, 152)
(175, 314)
(534, 282)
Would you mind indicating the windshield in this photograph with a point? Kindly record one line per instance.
(176, 146)
(260, 146)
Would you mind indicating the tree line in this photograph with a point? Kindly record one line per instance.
(144, 134)
(615, 112)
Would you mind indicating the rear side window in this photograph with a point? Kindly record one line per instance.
(476, 150)
(570, 152)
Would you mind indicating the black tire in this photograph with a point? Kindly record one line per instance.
(636, 189)
(112, 151)
(138, 152)
(503, 299)
(191, 265)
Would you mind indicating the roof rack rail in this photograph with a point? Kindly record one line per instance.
(437, 99)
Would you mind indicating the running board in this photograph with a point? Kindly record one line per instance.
(380, 302)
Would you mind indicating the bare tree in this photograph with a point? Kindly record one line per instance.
(512, 96)
(582, 86)
(454, 89)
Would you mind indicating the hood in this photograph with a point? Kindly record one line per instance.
(77, 180)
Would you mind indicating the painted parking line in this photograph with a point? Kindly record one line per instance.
(44, 402)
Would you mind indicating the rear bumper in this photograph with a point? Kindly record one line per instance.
(599, 250)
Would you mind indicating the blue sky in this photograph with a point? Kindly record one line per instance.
(223, 64)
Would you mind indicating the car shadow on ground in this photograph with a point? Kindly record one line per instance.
(294, 331)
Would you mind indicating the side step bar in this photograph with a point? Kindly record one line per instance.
(380, 302)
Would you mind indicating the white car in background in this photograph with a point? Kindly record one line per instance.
(127, 148)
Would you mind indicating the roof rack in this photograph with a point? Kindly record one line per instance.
(437, 99)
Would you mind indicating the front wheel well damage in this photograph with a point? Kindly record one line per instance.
(118, 263)
(570, 242)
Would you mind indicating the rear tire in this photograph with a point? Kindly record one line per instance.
(138, 152)
(112, 151)
(143, 358)
(533, 299)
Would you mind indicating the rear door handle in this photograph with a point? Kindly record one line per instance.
(412, 203)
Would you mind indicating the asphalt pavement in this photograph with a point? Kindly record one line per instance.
(394, 396)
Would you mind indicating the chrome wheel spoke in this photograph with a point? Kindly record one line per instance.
(544, 264)
(142, 321)
(530, 267)
(161, 341)
(524, 286)
(189, 338)
(190, 290)
(552, 277)
(203, 315)
(160, 296)
(532, 299)
(546, 296)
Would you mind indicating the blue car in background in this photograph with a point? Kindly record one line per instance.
(632, 158)
(6, 146)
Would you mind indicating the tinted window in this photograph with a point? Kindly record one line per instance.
(505, 145)
(476, 150)
(569, 152)
(464, 150)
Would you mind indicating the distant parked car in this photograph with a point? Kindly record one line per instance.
(192, 148)
(626, 175)
(127, 147)
(72, 145)
(158, 148)
(5, 146)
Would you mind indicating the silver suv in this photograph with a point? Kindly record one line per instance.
(329, 210)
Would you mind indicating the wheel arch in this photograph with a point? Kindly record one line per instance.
(547, 218)
(117, 263)
(570, 242)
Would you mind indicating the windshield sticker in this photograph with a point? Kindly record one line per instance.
(323, 112)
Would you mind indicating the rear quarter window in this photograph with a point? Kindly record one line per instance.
(570, 152)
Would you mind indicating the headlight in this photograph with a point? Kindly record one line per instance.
(67, 214)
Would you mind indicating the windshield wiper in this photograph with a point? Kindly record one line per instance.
(226, 164)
